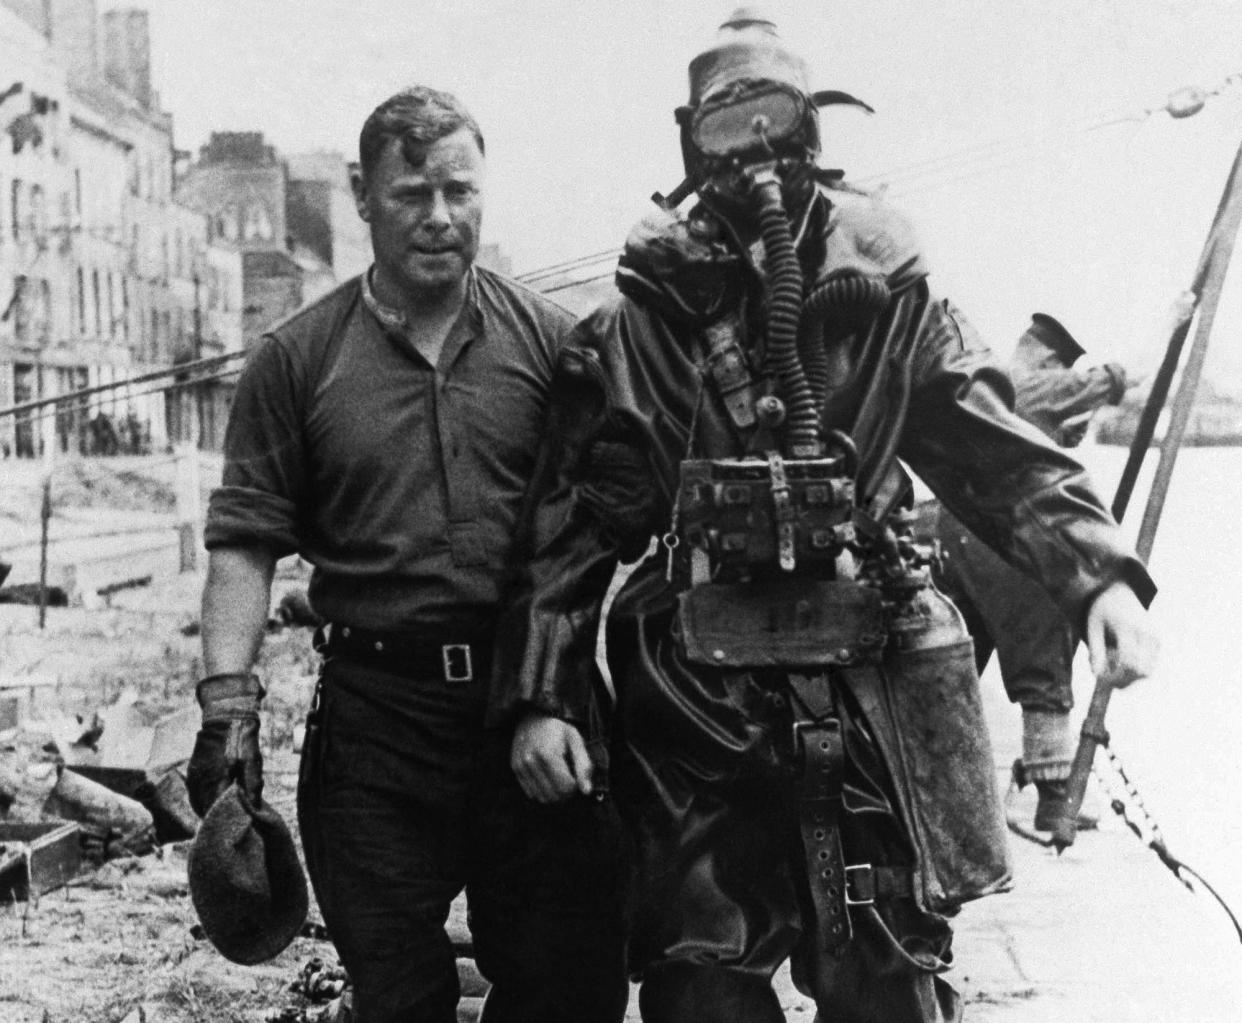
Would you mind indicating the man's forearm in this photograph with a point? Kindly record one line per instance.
(235, 605)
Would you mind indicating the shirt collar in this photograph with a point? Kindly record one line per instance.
(390, 319)
(394, 322)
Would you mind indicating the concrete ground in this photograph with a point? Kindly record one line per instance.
(1101, 934)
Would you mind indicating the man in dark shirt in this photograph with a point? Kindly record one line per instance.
(386, 434)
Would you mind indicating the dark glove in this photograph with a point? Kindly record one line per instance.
(227, 746)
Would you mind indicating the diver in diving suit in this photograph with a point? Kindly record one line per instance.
(797, 743)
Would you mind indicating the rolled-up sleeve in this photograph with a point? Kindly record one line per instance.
(258, 502)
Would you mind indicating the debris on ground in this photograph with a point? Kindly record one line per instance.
(28, 593)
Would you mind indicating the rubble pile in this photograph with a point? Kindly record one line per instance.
(119, 781)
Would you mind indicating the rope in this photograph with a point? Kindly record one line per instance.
(1148, 831)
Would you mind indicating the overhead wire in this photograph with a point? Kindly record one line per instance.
(924, 175)
(82, 401)
(928, 174)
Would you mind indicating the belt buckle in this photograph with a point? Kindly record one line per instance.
(859, 878)
(457, 656)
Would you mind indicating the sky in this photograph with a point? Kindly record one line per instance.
(990, 127)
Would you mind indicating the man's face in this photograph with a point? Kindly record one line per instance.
(424, 220)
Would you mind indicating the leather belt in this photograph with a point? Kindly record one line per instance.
(819, 748)
(836, 887)
(437, 655)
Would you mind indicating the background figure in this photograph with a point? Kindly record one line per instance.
(1005, 610)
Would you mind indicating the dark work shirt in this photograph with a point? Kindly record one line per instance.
(399, 482)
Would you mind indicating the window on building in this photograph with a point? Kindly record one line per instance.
(19, 308)
(43, 317)
(15, 208)
(179, 254)
(38, 213)
(164, 259)
(258, 226)
(125, 307)
(77, 191)
(81, 301)
(111, 305)
(95, 292)
(230, 223)
(153, 342)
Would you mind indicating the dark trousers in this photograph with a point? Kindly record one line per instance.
(404, 800)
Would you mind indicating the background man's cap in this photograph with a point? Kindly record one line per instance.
(246, 881)
(1048, 333)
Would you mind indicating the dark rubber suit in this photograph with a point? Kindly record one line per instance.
(1004, 609)
(701, 763)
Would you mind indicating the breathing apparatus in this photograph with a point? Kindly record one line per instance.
(778, 571)
(750, 140)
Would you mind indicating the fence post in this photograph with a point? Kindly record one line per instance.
(48, 432)
(189, 504)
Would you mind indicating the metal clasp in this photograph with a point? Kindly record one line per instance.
(859, 885)
(458, 664)
(783, 508)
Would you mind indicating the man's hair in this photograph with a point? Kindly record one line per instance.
(418, 116)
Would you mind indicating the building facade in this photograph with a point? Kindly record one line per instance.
(109, 278)
(36, 278)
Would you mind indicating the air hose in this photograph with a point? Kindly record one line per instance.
(846, 300)
(784, 273)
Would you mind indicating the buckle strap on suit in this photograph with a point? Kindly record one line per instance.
(820, 754)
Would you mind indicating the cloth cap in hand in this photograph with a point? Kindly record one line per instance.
(246, 881)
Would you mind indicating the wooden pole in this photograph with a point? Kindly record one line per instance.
(189, 503)
(1208, 285)
(1183, 403)
(1226, 210)
(48, 432)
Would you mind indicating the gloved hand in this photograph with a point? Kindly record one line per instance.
(227, 746)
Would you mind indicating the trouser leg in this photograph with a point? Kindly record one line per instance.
(380, 809)
(871, 981)
(691, 993)
(546, 888)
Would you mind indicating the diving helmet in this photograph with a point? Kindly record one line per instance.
(750, 102)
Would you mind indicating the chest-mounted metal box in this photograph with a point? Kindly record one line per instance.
(745, 518)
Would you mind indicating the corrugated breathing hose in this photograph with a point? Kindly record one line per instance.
(784, 273)
(846, 301)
